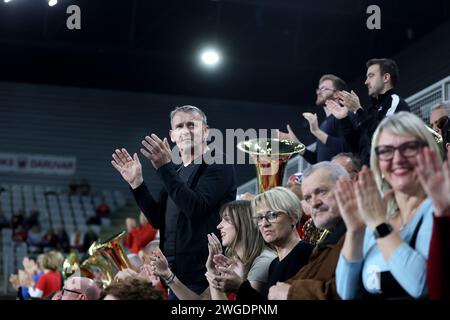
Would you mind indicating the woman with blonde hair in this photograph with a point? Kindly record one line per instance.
(276, 213)
(388, 216)
(245, 252)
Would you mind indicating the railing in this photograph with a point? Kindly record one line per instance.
(421, 104)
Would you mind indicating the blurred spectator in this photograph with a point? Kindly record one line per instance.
(63, 240)
(85, 188)
(32, 219)
(50, 239)
(103, 210)
(51, 281)
(76, 240)
(73, 187)
(89, 237)
(19, 234)
(18, 219)
(295, 185)
(34, 240)
(437, 113)
(29, 276)
(138, 237)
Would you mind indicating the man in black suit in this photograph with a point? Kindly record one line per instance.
(188, 205)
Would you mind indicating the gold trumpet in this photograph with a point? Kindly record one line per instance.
(105, 260)
(271, 157)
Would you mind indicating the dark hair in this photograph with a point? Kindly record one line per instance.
(386, 66)
(338, 83)
(133, 289)
(444, 125)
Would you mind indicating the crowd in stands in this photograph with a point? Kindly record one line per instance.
(368, 219)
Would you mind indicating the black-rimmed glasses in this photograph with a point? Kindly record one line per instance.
(71, 291)
(407, 150)
(270, 216)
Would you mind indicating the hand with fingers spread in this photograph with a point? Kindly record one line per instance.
(214, 248)
(156, 150)
(349, 100)
(290, 135)
(159, 264)
(336, 110)
(312, 120)
(371, 205)
(129, 168)
(125, 274)
(14, 281)
(146, 272)
(348, 206)
(435, 180)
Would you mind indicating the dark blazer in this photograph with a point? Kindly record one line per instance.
(198, 200)
(358, 134)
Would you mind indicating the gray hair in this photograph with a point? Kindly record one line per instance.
(188, 109)
(280, 199)
(336, 171)
(444, 104)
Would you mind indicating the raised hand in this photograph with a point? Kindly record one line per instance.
(435, 180)
(336, 110)
(125, 274)
(348, 206)
(371, 205)
(214, 248)
(290, 135)
(14, 280)
(156, 150)
(129, 168)
(349, 100)
(312, 120)
(159, 264)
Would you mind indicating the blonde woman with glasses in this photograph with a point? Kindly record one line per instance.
(388, 236)
(276, 213)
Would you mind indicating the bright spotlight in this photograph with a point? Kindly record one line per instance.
(51, 3)
(6, 1)
(210, 57)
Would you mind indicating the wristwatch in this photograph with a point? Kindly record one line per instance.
(382, 230)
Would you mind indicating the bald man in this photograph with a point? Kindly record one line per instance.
(79, 288)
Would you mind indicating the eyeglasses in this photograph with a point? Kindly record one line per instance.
(318, 90)
(270, 216)
(71, 291)
(407, 150)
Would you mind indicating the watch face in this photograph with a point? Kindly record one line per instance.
(382, 230)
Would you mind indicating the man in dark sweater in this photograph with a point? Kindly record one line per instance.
(187, 209)
(382, 77)
(328, 135)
